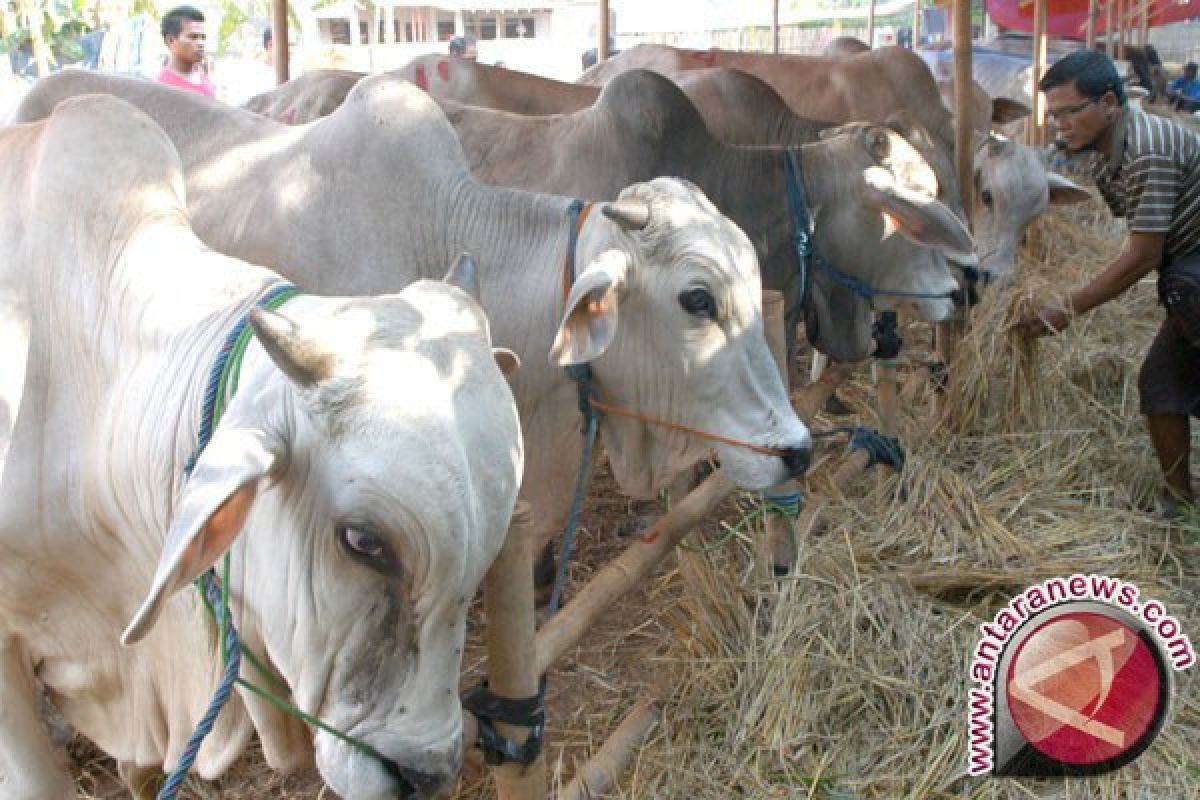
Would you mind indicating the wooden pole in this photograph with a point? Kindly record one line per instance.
(595, 778)
(780, 529)
(1093, 10)
(602, 33)
(1118, 51)
(774, 26)
(964, 102)
(1037, 117)
(871, 25)
(279, 40)
(508, 602)
(811, 399)
(916, 25)
(1144, 37)
(566, 628)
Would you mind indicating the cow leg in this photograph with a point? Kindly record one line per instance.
(143, 782)
(31, 767)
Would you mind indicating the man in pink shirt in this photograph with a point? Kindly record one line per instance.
(183, 32)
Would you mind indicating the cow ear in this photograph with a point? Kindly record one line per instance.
(1063, 192)
(211, 511)
(590, 321)
(917, 216)
(508, 361)
(1006, 110)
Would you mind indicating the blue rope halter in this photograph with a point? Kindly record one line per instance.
(222, 383)
(806, 251)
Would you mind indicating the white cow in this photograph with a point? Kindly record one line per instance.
(369, 460)
(665, 303)
(1012, 188)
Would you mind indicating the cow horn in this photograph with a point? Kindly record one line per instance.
(299, 358)
(632, 215)
(464, 275)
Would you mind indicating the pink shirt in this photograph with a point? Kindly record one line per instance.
(172, 78)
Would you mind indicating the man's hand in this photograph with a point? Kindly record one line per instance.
(1050, 319)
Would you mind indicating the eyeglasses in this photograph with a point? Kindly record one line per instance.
(1063, 113)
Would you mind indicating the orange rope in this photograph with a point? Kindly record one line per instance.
(715, 437)
(621, 412)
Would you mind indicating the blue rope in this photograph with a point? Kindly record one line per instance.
(581, 375)
(233, 663)
(208, 583)
(802, 231)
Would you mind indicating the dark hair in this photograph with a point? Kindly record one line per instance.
(1092, 72)
(266, 38)
(172, 21)
(459, 45)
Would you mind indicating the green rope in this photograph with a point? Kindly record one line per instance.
(730, 531)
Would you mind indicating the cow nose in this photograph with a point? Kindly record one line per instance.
(797, 459)
(413, 784)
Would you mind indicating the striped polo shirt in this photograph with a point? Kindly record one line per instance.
(1151, 177)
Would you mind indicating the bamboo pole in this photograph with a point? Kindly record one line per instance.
(602, 33)
(1144, 33)
(811, 399)
(567, 627)
(964, 102)
(1117, 52)
(508, 602)
(595, 778)
(775, 26)
(780, 530)
(279, 41)
(1037, 127)
(886, 400)
(916, 24)
(1093, 10)
(871, 25)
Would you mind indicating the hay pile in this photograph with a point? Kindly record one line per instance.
(851, 681)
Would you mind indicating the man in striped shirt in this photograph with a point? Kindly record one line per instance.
(1148, 171)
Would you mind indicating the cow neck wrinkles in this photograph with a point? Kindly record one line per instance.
(519, 240)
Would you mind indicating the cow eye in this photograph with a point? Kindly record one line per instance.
(368, 547)
(698, 301)
(986, 196)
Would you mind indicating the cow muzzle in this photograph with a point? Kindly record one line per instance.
(797, 460)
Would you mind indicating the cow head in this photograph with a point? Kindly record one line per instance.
(667, 308)
(875, 218)
(371, 466)
(1012, 187)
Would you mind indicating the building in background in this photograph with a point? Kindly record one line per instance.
(545, 36)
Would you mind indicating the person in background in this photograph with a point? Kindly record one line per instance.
(268, 48)
(1184, 92)
(1148, 172)
(183, 33)
(464, 47)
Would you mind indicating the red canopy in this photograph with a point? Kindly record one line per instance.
(1068, 18)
